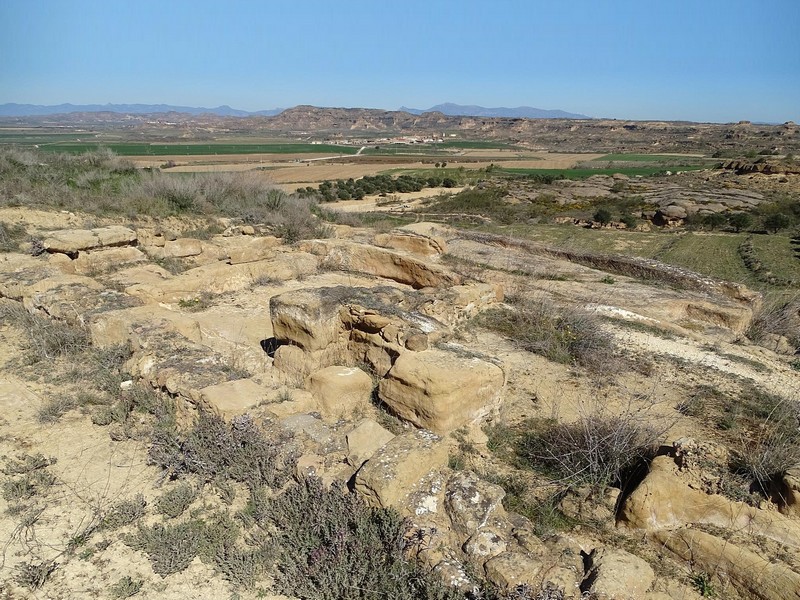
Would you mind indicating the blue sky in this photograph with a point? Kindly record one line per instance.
(701, 60)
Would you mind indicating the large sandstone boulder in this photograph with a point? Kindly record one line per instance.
(363, 258)
(788, 497)
(232, 398)
(340, 391)
(511, 569)
(389, 477)
(72, 241)
(410, 241)
(664, 501)
(472, 503)
(441, 390)
(260, 248)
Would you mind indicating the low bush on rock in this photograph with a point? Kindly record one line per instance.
(595, 450)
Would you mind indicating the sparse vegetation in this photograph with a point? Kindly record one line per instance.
(46, 338)
(126, 587)
(597, 450)
(11, 236)
(562, 335)
(124, 513)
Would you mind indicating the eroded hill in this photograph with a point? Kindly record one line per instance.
(193, 414)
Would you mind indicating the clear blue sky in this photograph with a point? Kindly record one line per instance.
(701, 60)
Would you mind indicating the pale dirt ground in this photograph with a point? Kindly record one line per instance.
(94, 472)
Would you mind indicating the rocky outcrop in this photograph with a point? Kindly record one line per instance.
(410, 241)
(362, 258)
(73, 241)
(220, 277)
(439, 389)
(665, 501)
(615, 574)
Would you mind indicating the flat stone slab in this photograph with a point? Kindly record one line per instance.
(72, 241)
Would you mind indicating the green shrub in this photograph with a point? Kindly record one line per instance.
(174, 502)
(602, 216)
(170, 548)
(214, 449)
(332, 546)
(125, 588)
(124, 513)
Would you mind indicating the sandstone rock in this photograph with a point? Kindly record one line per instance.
(308, 318)
(119, 326)
(290, 361)
(257, 249)
(147, 274)
(219, 277)
(619, 575)
(107, 259)
(72, 241)
(389, 477)
(485, 544)
(461, 302)
(664, 501)
(18, 271)
(416, 342)
(754, 576)
(411, 242)
(181, 248)
(441, 390)
(511, 569)
(362, 258)
(233, 398)
(166, 359)
(74, 298)
(473, 503)
(340, 391)
(788, 497)
(317, 435)
(290, 402)
(364, 440)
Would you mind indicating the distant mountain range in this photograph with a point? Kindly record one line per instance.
(520, 112)
(449, 109)
(26, 110)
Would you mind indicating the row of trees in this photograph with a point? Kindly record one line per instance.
(773, 222)
(356, 189)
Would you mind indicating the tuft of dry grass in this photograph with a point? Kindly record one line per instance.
(567, 336)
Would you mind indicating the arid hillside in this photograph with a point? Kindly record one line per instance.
(209, 387)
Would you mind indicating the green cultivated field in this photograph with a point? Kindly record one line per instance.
(584, 173)
(140, 149)
(646, 158)
(713, 254)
